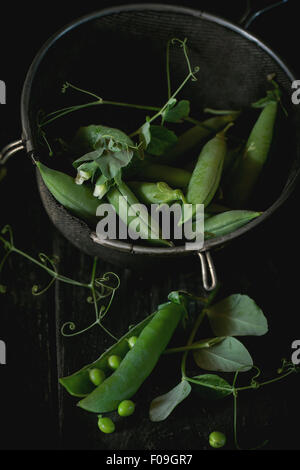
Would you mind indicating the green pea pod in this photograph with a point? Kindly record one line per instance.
(155, 193)
(206, 176)
(138, 362)
(78, 199)
(253, 158)
(175, 177)
(79, 383)
(227, 222)
(196, 136)
(122, 198)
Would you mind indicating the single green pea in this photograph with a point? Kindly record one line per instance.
(114, 361)
(132, 340)
(106, 425)
(217, 439)
(126, 408)
(96, 376)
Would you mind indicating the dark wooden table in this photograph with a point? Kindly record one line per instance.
(36, 413)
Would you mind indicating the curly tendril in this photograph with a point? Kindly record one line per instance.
(71, 326)
(36, 289)
(254, 382)
(103, 287)
(107, 277)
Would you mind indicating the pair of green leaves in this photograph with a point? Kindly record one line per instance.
(237, 315)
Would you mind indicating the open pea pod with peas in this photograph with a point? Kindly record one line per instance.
(153, 335)
(79, 383)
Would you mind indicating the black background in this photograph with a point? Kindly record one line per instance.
(34, 414)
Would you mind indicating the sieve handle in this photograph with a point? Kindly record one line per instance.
(209, 275)
(250, 15)
(10, 150)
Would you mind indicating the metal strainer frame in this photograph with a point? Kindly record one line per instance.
(115, 250)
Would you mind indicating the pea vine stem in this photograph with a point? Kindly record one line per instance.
(198, 322)
(100, 101)
(64, 111)
(190, 341)
(168, 68)
(191, 347)
(267, 382)
(50, 271)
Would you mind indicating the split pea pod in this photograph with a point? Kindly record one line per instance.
(155, 193)
(227, 222)
(207, 172)
(196, 136)
(253, 157)
(138, 362)
(175, 177)
(78, 199)
(79, 384)
(124, 201)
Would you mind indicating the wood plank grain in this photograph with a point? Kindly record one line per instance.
(27, 323)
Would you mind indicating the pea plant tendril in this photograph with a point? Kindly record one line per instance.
(100, 288)
(48, 118)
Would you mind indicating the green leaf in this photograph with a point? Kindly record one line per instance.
(88, 157)
(162, 140)
(207, 386)
(162, 406)
(237, 315)
(90, 137)
(110, 163)
(176, 113)
(145, 135)
(230, 355)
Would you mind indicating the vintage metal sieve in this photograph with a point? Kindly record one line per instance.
(123, 45)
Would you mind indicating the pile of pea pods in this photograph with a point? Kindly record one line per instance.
(202, 167)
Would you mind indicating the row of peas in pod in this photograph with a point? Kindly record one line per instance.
(208, 163)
